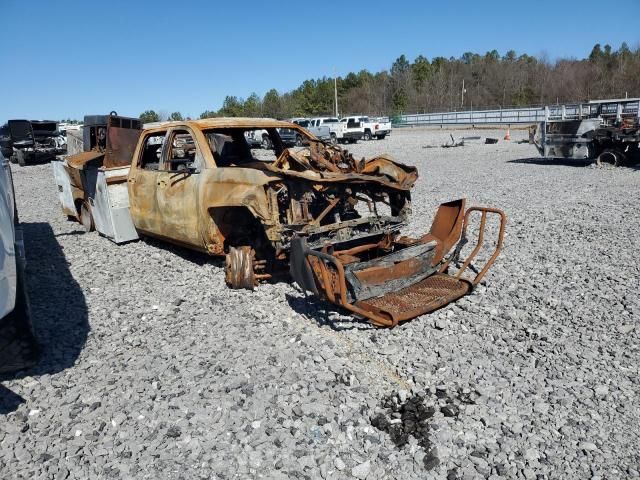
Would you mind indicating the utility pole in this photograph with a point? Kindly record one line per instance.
(335, 90)
(463, 90)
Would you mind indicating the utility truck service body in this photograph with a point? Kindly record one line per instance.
(607, 131)
(375, 127)
(334, 220)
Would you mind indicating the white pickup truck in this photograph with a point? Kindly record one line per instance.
(375, 127)
(341, 131)
(323, 132)
(354, 127)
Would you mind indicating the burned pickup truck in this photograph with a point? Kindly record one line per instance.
(334, 220)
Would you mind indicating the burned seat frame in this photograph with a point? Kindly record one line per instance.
(398, 279)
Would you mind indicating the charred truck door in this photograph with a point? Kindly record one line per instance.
(144, 177)
(177, 187)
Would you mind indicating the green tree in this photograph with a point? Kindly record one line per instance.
(149, 116)
(400, 66)
(624, 51)
(176, 117)
(438, 63)
(492, 56)
(510, 56)
(252, 106)
(272, 104)
(469, 57)
(421, 70)
(596, 53)
(231, 107)
(208, 114)
(400, 101)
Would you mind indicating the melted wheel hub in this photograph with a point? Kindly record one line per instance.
(239, 268)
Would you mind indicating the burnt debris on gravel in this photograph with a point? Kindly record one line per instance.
(402, 416)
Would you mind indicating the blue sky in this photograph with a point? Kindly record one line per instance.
(69, 58)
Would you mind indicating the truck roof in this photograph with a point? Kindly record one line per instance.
(224, 122)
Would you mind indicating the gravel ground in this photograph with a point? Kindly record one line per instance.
(152, 368)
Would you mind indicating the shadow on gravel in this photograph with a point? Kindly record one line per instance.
(562, 162)
(183, 252)
(319, 311)
(9, 401)
(58, 308)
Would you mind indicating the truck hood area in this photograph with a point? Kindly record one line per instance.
(324, 163)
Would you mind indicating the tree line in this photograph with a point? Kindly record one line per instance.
(490, 81)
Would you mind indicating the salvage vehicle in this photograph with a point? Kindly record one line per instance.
(607, 131)
(35, 141)
(18, 347)
(333, 220)
(375, 127)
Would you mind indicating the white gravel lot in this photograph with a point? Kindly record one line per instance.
(153, 369)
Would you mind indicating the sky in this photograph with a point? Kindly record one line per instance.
(65, 59)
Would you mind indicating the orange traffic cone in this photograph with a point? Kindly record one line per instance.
(508, 135)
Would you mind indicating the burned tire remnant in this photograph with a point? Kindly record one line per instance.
(411, 418)
(611, 157)
(403, 416)
(239, 272)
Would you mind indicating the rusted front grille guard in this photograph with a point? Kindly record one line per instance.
(432, 293)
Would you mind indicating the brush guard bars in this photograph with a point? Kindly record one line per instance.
(399, 278)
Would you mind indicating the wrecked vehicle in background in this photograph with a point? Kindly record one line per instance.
(334, 220)
(607, 131)
(35, 141)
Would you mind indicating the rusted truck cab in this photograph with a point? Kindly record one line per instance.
(336, 220)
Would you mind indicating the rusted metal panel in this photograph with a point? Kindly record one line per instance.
(80, 160)
(121, 143)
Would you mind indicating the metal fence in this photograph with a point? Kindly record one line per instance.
(524, 115)
(473, 117)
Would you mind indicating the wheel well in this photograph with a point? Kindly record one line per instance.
(239, 227)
